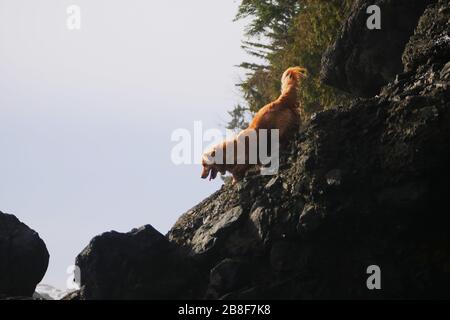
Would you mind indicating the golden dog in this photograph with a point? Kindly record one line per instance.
(282, 114)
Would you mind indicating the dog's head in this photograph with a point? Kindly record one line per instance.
(210, 168)
(292, 76)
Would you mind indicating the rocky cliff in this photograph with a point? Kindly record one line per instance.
(361, 61)
(23, 258)
(363, 184)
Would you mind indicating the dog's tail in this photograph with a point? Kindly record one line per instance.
(295, 73)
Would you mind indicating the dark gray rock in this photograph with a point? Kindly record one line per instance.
(23, 258)
(361, 61)
(431, 41)
(273, 184)
(259, 218)
(140, 264)
(309, 219)
(228, 276)
(445, 72)
(213, 229)
(72, 296)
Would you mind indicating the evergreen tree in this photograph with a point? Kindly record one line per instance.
(287, 33)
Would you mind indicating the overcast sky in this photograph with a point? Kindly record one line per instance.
(87, 115)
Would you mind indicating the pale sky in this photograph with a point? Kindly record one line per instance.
(87, 115)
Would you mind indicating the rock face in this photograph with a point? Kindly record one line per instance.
(23, 258)
(361, 61)
(430, 42)
(135, 265)
(364, 184)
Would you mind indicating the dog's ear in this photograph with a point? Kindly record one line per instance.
(208, 157)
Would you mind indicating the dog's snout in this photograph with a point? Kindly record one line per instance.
(205, 172)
